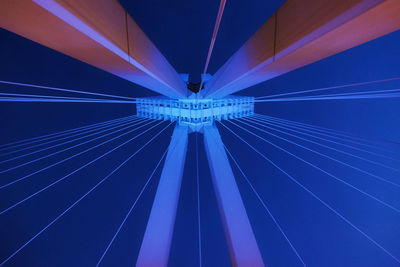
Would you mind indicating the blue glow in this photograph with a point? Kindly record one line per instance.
(195, 112)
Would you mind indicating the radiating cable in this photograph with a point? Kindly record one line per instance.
(316, 98)
(65, 90)
(73, 156)
(365, 141)
(131, 208)
(314, 132)
(214, 37)
(315, 196)
(60, 139)
(52, 100)
(332, 87)
(326, 156)
(53, 97)
(82, 197)
(316, 143)
(78, 169)
(39, 138)
(130, 124)
(328, 135)
(323, 171)
(355, 93)
(265, 206)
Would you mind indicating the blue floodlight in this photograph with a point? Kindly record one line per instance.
(195, 113)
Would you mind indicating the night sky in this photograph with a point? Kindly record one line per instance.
(182, 31)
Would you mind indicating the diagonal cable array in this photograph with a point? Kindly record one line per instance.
(265, 206)
(64, 100)
(75, 155)
(71, 173)
(53, 97)
(276, 128)
(315, 196)
(366, 145)
(124, 127)
(65, 90)
(46, 137)
(329, 88)
(318, 168)
(131, 208)
(84, 133)
(92, 189)
(350, 96)
(22, 97)
(319, 153)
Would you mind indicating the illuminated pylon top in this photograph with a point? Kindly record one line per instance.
(195, 113)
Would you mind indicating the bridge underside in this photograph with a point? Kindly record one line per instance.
(102, 34)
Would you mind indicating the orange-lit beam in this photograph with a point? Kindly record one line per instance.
(98, 32)
(302, 32)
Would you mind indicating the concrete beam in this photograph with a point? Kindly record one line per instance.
(157, 238)
(243, 248)
(302, 32)
(98, 32)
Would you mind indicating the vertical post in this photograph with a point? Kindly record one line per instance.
(156, 243)
(242, 244)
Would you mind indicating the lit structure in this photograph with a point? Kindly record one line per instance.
(195, 112)
(304, 32)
